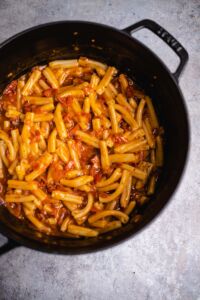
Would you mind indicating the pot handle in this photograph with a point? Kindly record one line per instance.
(9, 245)
(166, 37)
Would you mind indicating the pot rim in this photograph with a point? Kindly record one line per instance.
(41, 246)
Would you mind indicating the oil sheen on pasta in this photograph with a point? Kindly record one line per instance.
(80, 148)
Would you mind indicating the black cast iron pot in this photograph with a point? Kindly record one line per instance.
(71, 39)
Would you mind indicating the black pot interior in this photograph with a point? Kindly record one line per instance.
(73, 39)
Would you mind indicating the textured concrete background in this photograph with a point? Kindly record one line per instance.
(164, 261)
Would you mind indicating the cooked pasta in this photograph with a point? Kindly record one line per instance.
(80, 148)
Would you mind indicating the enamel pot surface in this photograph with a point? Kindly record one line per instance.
(71, 39)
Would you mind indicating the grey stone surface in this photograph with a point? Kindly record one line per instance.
(163, 262)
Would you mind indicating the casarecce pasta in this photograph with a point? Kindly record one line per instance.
(80, 148)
